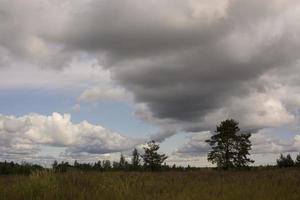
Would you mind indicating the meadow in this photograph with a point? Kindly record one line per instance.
(204, 184)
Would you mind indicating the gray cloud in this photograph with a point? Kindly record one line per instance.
(263, 142)
(189, 63)
(187, 66)
(195, 146)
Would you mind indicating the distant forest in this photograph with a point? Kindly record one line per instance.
(229, 150)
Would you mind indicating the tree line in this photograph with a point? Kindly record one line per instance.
(152, 161)
(229, 150)
(16, 168)
(287, 161)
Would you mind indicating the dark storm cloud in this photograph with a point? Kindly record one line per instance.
(183, 64)
(191, 63)
(133, 29)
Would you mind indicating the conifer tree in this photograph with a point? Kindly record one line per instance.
(243, 146)
(123, 163)
(285, 161)
(229, 148)
(297, 161)
(135, 161)
(152, 159)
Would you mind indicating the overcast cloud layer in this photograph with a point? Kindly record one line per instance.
(186, 65)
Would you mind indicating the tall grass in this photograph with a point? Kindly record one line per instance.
(274, 184)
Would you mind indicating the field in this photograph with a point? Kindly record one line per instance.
(206, 184)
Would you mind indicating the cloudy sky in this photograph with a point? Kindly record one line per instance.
(88, 79)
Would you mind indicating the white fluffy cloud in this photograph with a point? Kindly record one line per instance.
(24, 135)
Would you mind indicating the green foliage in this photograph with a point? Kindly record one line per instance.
(230, 149)
(106, 164)
(285, 161)
(15, 168)
(123, 164)
(65, 166)
(242, 147)
(98, 166)
(297, 161)
(116, 165)
(135, 161)
(152, 159)
(61, 167)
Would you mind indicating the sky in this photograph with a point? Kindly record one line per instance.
(90, 79)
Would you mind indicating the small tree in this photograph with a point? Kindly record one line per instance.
(123, 163)
(229, 147)
(116, 165)
(106, 164)
(297, 161)
(54, 165)
(285, 161)
(152, 159)
(76, 164)
(135, 161)
(98, 165)
(289, 161)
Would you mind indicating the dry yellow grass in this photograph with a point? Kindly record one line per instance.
(275, 184)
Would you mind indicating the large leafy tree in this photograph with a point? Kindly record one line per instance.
(152, 159)
(229, 147)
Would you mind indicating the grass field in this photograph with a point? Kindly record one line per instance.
(272, 184)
